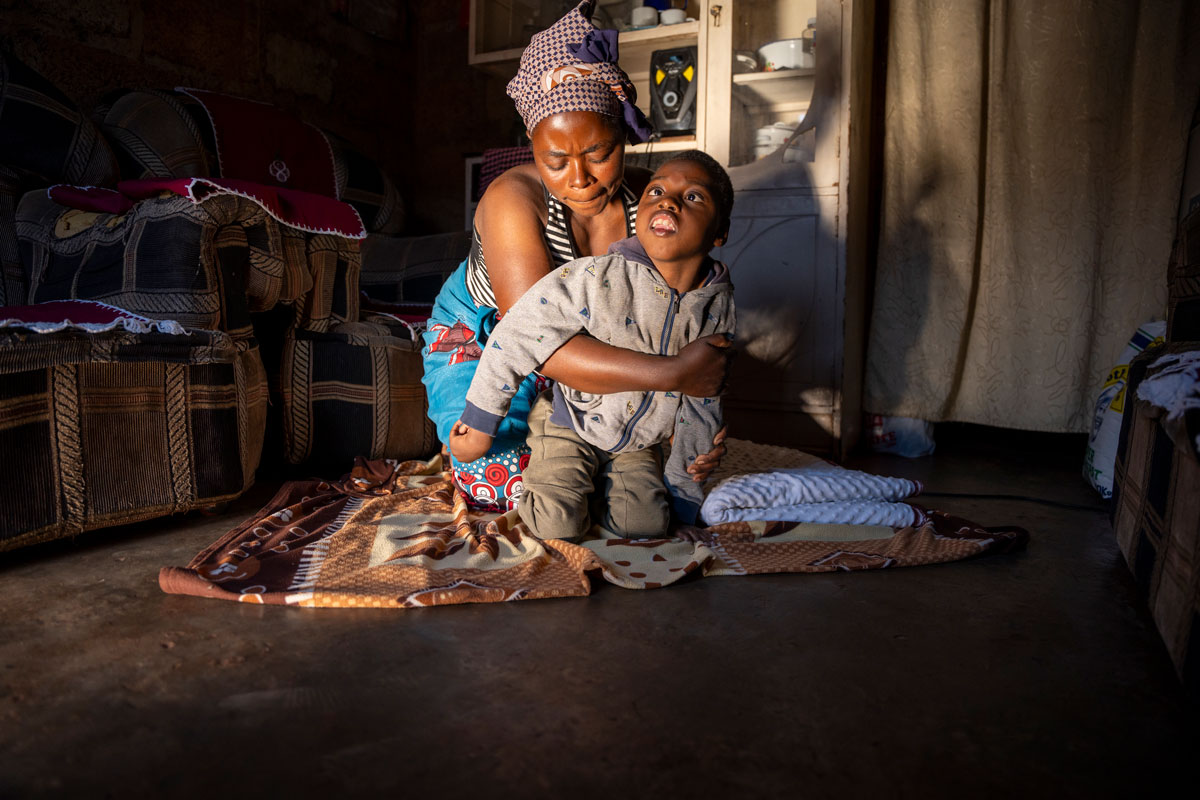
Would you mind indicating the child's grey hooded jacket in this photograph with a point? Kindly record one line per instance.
(621, 299)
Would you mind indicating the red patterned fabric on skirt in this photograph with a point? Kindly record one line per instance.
(493, 483)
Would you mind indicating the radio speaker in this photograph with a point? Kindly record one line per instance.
(673, 90)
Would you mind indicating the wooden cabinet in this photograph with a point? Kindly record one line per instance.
(798, 241)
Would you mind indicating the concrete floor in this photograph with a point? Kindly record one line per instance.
(1032, 674)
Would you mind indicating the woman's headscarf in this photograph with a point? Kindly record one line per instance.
(572, 66)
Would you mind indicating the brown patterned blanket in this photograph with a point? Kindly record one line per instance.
(398, 534)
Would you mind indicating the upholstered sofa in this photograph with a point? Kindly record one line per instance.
(268, 311)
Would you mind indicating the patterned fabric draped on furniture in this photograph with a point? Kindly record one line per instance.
(354, 389)
(1032, 162)
(42, 132)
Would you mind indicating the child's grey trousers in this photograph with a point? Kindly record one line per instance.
(630, 500)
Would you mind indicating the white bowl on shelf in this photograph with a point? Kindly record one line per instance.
(784, 54)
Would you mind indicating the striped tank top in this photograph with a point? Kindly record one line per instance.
(557, 236)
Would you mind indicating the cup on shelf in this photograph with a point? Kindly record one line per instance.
(672, 16)
(643, 17)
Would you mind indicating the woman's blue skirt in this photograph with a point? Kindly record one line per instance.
(454, 341)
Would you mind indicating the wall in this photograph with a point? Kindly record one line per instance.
(391, 77)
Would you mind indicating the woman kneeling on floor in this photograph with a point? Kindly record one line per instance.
(576, 199)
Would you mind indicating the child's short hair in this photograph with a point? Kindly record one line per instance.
(722, 186)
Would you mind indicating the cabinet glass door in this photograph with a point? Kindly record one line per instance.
(773, 68)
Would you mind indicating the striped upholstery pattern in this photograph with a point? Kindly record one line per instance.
(165, 259)
(117, 427)
(410, 270)
(158, 134)
(333, 265)
(44, 133)
(13, 286)
(352, 392)
(362, 184)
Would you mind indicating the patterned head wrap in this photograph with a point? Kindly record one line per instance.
(572, 66)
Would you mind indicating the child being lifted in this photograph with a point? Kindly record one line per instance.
(653, 292)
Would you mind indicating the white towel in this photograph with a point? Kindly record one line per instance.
(816, 492)
(1174, 385)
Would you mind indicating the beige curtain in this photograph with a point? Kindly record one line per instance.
(1033, 154)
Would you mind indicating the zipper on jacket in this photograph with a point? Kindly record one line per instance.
(668, 325)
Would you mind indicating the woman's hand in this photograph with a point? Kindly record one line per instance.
(703, 366)
(704, 464)
(468, 444)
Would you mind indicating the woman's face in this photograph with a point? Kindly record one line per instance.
(580, 156)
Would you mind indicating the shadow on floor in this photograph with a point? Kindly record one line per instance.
(1032, 673)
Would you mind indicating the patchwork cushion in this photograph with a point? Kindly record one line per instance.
(117, 426)
(167, 258)
(207, 265)
(1156, 514)
(43, 132)
(352, 392)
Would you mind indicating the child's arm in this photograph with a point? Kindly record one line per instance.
(535, 326)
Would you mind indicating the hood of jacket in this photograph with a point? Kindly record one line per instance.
(632, 250)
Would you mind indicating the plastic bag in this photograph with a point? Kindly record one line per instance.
(1101, 456)
(901, 436)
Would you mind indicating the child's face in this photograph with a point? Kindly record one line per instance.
(678, 215)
